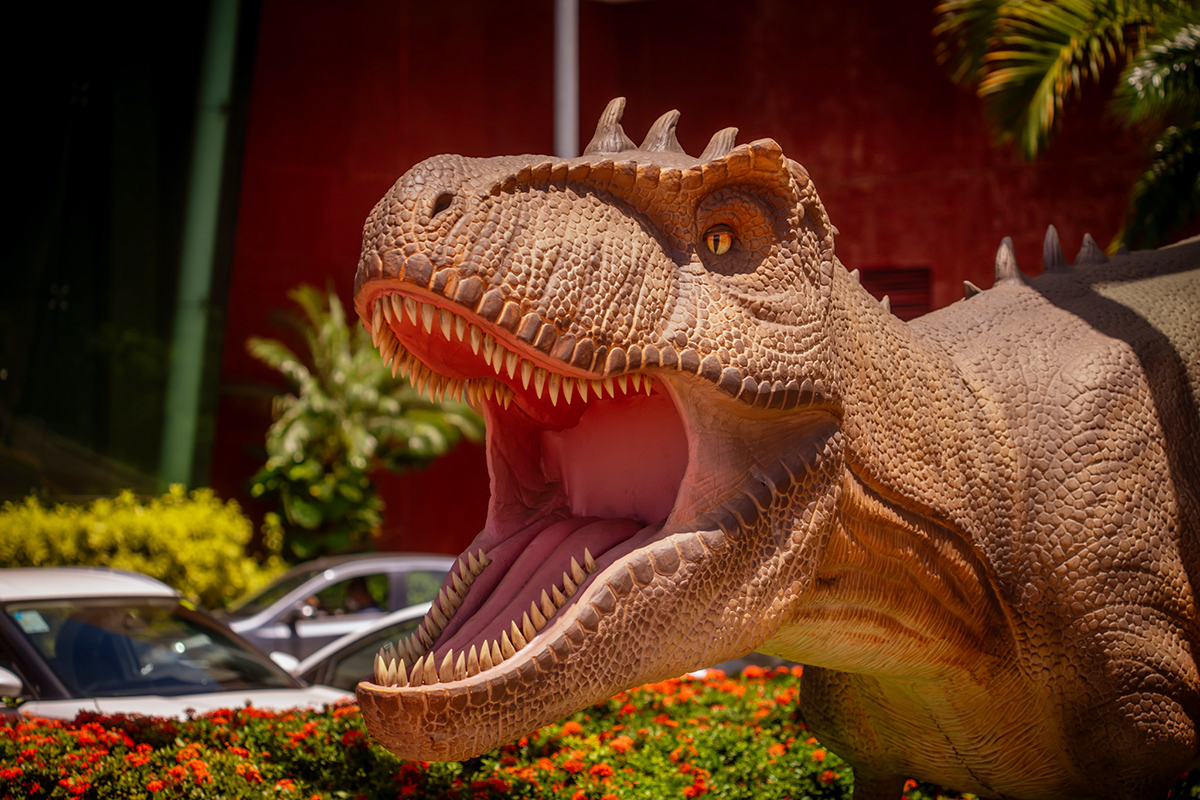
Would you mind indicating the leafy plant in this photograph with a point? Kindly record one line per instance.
(347, 416)
(1026, 59)
(192, 541)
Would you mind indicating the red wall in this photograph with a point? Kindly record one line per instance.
(346, 97)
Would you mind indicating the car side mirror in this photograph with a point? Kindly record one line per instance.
(10, 683)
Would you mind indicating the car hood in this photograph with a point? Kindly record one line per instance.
(179, 707)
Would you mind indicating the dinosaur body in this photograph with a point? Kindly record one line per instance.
(976, 530)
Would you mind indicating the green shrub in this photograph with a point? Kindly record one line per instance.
(194, 541)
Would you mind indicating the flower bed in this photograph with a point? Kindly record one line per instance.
(682, 738)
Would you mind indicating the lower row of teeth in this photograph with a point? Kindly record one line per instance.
(503, 361)
(392, 662)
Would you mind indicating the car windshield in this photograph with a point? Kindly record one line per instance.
(262, 599)
(117, 647)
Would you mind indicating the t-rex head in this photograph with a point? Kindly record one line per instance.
(643, 332)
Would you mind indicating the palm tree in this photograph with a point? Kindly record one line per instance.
(1027, 59)
(347, 416)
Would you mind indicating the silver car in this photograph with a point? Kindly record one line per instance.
(345, 662)
(315, 603)
(96, 639)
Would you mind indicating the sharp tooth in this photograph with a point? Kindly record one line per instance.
(648, 385)
(410, 309)
(607, 383)
(388, 347)
(577, 573)
(431, 674)
(569, 585)
(423, 635)
(460, 667)
(526, 373)
(476, 338)
(506, 648)
(548, 607)
(446, 320)
(472, 662)
(485, 658)
(510, 364)
(555, 383)
(460, 584)
(395, 367)
(636, 378)
(439, 604)
(535, 616)
(583, 390)
(518, 639)
(489, 344)
(559, 598)
(376, 323)
(494, 656)
(483, 558)
(539, 381)
(397, 307)
(446, 673)
(527, 629)
(489, 389)
(428, 312)
(417, 676)
(568, 388)
(401, 675)
(473, 563)
(460, 327)
(498, 359)
(381, 671)
(506, 395)
(588, 562)
(385, 304)
(623, 382)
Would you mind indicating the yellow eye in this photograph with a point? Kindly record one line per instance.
(719, 238)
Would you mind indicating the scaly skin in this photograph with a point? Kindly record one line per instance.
(977, 530)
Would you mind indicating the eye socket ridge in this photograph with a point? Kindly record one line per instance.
(719, 239)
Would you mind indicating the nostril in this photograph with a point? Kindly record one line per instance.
(441, 203)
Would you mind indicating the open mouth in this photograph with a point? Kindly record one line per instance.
(585, 470)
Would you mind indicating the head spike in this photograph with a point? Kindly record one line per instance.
(1007, 270)
(1053, 259)
(886, 302)
(610, 136)
(1090, 253)
(854, 275)
(662, 134)
(971, 290)
(720, 144)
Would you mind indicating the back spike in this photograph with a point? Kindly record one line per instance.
(1090, 253)
(720, 144)
(1053, 258)
(854, 275)
(1123, 250)
(970, 290)
(1007, 270)
(886, 302)
(610, 136)
(662, 134)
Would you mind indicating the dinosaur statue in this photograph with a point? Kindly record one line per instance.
(977, 530)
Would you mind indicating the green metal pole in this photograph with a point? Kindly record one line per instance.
(199, 246)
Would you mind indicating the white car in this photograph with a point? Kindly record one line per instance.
(111, 641)
(350, 659)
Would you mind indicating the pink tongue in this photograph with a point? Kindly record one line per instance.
(525, 566)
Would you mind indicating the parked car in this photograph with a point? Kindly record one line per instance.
(317, 602)
(98, 639)
(350, 659)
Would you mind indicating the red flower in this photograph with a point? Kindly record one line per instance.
(752, 672)
(601, 770)
(573, 765)
(11, 773)
(571, 728)
(818, 755)
(154, 787)
(621, 743)
(285, 785)
(827, 777)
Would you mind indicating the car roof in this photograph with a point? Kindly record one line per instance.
(332, 562)
(46, 583)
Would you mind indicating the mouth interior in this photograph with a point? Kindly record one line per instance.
(584, 471)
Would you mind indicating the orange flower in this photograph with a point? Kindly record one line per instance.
(285, 785)
(818, 755)
(573, 765)
(776, 749)
(621, 743)
(601, 770)
(154, 787)
(827, 777)
(752, 671)
(571, 728)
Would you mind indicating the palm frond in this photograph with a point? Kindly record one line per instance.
(1162, 82)
(1167, 196)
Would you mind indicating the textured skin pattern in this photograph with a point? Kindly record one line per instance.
(978, 530)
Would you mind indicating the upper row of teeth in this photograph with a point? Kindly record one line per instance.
(392, 662)
(502, 360)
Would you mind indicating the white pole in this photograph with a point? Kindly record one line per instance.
(566, 78)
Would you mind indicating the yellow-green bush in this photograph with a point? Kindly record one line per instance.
(192, 541)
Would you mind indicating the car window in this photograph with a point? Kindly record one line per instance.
(355, 663)
(422, 586)
(358, 595)
(111, 648)
(272, 592)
